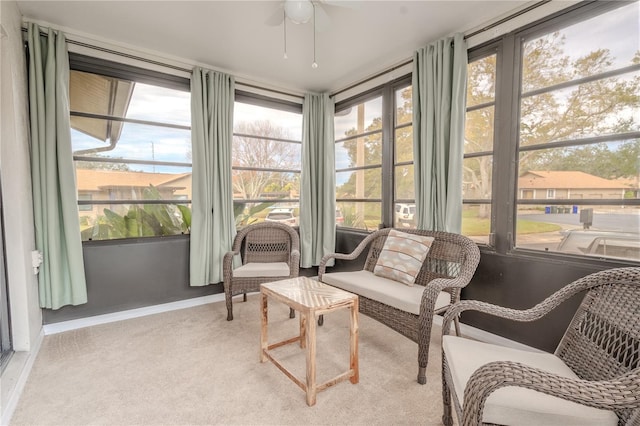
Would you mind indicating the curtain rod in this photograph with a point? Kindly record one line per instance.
(467, 36)
(162, 64)
(507, 18)
(379, 74)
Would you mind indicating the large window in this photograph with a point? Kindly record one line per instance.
(478, 147)
(266, 161)
(132, 150)
(552, 136)
(404, 189)
(358, 131)
(374, 158)
(579, 131)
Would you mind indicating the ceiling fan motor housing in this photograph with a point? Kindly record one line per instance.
(298, 11)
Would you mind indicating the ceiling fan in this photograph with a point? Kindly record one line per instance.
(302, 12)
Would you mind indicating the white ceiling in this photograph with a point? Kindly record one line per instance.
(233, 36)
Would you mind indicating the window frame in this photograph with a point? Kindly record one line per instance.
(104, 67)
(497, 182)
(387, 191)
(506, 196)
(276, 104)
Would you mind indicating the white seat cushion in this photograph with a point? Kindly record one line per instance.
(383, 290)
(251, 270)
(513, 405)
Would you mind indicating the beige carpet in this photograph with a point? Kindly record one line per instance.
(193, 367)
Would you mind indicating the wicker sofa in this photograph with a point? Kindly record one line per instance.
(448, 267)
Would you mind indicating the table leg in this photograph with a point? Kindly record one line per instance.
(264, 343)
(311, 359)
(353, 361)
(303, 330)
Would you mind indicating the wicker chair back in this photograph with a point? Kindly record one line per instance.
(267, 244)
(603, 339)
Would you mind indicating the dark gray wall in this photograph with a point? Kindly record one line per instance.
(134, 273)
(521, 282)
(128, 274)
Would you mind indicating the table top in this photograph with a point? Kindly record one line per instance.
(308, 293)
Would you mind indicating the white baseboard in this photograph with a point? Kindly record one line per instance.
(15, 377)
(63, 326)
(60, 327)
(485, 336)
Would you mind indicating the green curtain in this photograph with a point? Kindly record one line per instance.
(439, 90)
(61, 280)
(317, 180)
(212, 222)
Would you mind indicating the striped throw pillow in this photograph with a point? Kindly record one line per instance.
(402, 256)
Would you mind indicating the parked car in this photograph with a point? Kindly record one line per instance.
(283, 216)
(339, 218)
(625, 245)
(405, 215)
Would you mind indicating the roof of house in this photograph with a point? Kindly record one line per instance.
(95, 180)
(567, 180)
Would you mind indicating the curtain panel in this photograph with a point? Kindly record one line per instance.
(61, 279)
(317, 181)
(439, 93)
(212, 223)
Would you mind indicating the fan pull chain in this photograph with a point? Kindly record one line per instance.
(284, 21)
(314, 64)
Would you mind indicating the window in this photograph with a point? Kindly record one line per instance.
(358, 132)
(266, 161)
(561, 173)
(374, 158)
(132, 149)
(478, 147)
(85, 207)
(579, 134)
(404, 189)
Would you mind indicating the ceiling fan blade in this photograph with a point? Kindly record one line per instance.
(276, 17)
(341, 3)
(323, 21)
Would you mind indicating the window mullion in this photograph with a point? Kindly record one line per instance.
(505, 148)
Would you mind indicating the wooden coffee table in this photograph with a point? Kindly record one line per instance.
(310, 298)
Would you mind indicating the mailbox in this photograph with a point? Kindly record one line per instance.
(586, 218)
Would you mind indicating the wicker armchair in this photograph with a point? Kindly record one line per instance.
(270, 251)
(592, 378)
(449, 266)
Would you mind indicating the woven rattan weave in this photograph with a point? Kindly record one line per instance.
(449, 266)
(263, 242)
(601, 346)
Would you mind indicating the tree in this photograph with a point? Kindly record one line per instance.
(599, 107)
(97, 165)
(262, 152)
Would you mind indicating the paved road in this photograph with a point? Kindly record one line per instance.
(605, 221)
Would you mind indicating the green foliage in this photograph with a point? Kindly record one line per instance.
(351, 217)
(147, 220)
(245, 212)
(600, 107)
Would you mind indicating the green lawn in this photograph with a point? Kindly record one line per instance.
(472, 225)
